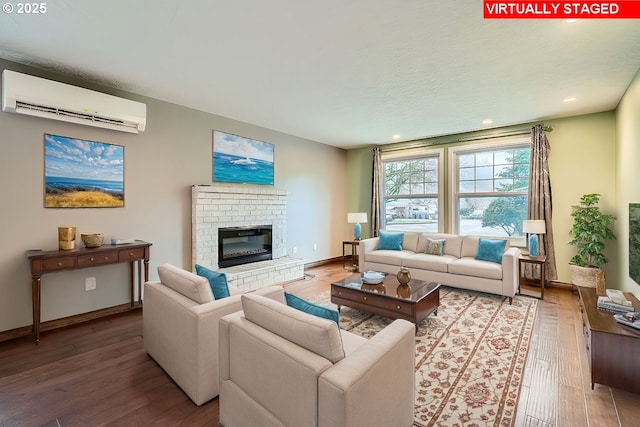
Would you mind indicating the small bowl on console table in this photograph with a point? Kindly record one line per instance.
(92, 240)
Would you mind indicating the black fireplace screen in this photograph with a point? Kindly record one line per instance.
(242, 245)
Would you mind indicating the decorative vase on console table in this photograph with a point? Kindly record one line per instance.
(404, 276)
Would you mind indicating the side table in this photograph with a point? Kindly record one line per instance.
(353, 255)
(524, 283)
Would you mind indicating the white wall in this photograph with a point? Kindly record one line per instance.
(161, 164)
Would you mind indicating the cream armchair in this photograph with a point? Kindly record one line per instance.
(282, 367)
(180, 328)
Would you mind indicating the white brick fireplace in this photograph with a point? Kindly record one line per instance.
(216, 206)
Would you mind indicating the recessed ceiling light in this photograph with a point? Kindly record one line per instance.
(571, 20)
(569, 99)
(396, 136)
(487, 121)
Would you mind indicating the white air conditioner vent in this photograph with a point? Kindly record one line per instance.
(25, 94)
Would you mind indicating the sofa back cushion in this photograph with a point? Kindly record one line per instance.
(192, 286)
(410, 242)
(452, 245)
(318, 335)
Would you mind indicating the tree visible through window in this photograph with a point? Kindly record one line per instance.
(492, 190)
(411, 199)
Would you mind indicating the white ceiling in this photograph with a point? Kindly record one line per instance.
(345, 73)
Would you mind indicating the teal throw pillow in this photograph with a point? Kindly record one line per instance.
(491, 250)
(310, 308)
(390, 241)
(217, 281)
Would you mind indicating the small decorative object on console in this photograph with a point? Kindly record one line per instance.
(607, 304)
(617, 296)
(631, 319)
(600, 286)
(92, 240)
(66, 238)
(117, 240)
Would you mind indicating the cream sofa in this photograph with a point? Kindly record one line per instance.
(282, 367)
(457, 267)
(180, 328)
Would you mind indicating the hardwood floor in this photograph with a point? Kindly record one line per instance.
(97, 373)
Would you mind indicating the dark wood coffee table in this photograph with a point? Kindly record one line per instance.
(389, 298)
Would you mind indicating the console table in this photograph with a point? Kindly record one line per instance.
(43, 262)
(612, 348)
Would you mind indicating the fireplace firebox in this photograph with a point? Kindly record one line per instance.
(242, 245)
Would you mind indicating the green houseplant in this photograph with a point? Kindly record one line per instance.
(591, 229)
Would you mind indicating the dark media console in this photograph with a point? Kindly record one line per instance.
(612, 348)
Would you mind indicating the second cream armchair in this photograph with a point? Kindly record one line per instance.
(282, 367)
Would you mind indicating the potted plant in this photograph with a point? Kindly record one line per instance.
(591, 229)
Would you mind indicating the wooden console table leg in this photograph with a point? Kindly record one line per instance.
(35, 300)
(132, 280)
(139, 281)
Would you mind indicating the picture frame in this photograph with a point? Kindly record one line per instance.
(82, 174)
(237, 159)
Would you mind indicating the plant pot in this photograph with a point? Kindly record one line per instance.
(583, 276)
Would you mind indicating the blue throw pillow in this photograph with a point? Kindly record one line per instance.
(491, 250)
(391, 241)
(217, 281)
(316, 310)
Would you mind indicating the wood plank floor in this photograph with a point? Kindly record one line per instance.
(97, 373)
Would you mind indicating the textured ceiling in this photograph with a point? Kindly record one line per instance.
(344, 73)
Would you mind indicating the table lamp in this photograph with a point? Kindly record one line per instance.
(533, 227)
(357, 218)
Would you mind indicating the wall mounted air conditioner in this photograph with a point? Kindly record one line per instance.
(25, 94)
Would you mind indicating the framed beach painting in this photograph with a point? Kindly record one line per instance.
(82, 174)
(241, 160)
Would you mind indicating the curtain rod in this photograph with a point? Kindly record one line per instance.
(467, 139)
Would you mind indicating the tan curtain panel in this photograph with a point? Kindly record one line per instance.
(540, 196)
(375, 192)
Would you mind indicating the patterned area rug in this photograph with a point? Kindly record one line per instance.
(470, 357)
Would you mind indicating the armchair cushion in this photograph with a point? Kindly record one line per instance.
(308, 307)
(184, 282)
(217, 281)
(320, 336)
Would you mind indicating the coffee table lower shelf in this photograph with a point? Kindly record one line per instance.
(382, 305)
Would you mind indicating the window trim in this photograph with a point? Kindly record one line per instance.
(413, 154)
(453, 172)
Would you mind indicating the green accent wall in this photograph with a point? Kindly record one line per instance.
(627, 178)
(582, 160)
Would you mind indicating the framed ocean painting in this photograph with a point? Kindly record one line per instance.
(241, 160)
(82, 174)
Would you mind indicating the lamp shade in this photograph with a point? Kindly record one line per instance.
(356, 217)
(534, 226)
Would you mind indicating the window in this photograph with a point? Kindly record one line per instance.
(411, 191)
(489, 189)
